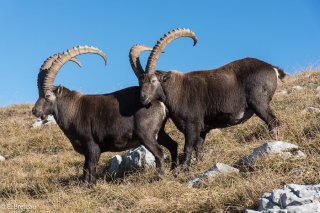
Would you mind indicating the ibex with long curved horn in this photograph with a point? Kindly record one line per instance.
(199, 101)
(100, 123)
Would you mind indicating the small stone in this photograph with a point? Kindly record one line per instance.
(218, 169)
(311, 110)
(50, 120)
(295, 171)
(194, 182)
(313, 85)
(297, 88)
(300, 154)
(272, 147)
(225, 169)
(38, 122)
(282, 93)
(2, 158)
(210, 151)
(318, 88)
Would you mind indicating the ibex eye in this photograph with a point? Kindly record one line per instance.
(153, 81)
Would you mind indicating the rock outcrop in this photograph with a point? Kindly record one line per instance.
(292, 198)
(282, 148)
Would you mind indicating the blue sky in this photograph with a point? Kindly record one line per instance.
(283, 33)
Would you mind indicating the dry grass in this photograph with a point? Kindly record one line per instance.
(43, 170)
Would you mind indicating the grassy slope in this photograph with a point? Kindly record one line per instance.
(42, 168)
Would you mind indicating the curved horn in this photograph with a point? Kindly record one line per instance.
(62, 58)
(134, 54)
(44, 67)
(163, 42)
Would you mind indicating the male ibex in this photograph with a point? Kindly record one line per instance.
(100, 123)
(199, 101)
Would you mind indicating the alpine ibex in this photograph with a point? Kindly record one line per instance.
(104, 122)
(199, 101)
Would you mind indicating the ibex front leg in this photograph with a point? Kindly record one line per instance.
(92, 156)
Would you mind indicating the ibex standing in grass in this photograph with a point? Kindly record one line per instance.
(199, 101)
(100, 123)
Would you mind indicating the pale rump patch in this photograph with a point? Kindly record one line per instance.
(240, 116)
(277, 72)
(164, 110)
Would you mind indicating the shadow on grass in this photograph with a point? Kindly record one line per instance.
(311, 132)
(258, 133)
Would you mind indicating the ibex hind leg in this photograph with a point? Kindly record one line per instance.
(193, 141)
(263, 111)
(198, 146)
(152, 145)
(165, 140)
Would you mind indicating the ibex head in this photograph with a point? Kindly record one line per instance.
(151, 87)
(48, 93)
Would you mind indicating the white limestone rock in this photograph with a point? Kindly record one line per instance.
(297, 88)
(38, 122)
(305, 208)
(311, 110)
(292, 198)
(282, 148)
(217, 169)
(133, 159)
(2, 158)
(282, 93)
(115, 164)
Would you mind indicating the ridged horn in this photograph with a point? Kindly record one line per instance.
(134, 54)
(76, 60)
(44, 67)
(163, 42)
(61, 59)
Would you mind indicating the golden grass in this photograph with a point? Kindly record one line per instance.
(43, 170)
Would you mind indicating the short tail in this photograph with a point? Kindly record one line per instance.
(280, 73)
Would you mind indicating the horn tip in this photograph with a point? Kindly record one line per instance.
(195, 42)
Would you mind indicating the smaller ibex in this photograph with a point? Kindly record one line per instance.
(100, 123)
(199, 101)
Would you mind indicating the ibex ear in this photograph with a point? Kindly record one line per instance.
(58, 90)
(163, 77)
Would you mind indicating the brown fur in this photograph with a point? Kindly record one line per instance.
(108, 122)
(199, 101)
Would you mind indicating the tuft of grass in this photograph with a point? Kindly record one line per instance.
(44, 171)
